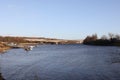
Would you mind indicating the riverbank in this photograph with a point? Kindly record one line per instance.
(3, 48)
(101, 42)
(112, 40)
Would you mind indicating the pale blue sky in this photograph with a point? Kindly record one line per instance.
(66, 19)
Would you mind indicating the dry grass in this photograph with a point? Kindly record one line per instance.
(3, 48)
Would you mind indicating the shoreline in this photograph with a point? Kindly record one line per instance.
(2, 50)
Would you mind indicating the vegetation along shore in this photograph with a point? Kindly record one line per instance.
(8, 42)
(110, 40)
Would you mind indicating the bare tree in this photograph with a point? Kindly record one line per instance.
(117, 36)
(94, 37)
(104, 37)
(111, 35)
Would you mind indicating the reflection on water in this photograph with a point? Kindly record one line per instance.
(62, 62)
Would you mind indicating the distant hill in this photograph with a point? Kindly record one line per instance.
(40, 40)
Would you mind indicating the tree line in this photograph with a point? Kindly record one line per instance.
(110, 40)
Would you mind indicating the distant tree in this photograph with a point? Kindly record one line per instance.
(104, 37)
(87, 39)
(90, 39)
(117, 36)
(112, 40)
(94, 37)
(111, 35)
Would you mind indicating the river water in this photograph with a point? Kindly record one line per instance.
(62, 62)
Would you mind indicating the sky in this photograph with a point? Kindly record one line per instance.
(64, 19)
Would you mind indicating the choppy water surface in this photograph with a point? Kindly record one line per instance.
(62, 62)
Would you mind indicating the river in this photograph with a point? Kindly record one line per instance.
(62, 62)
